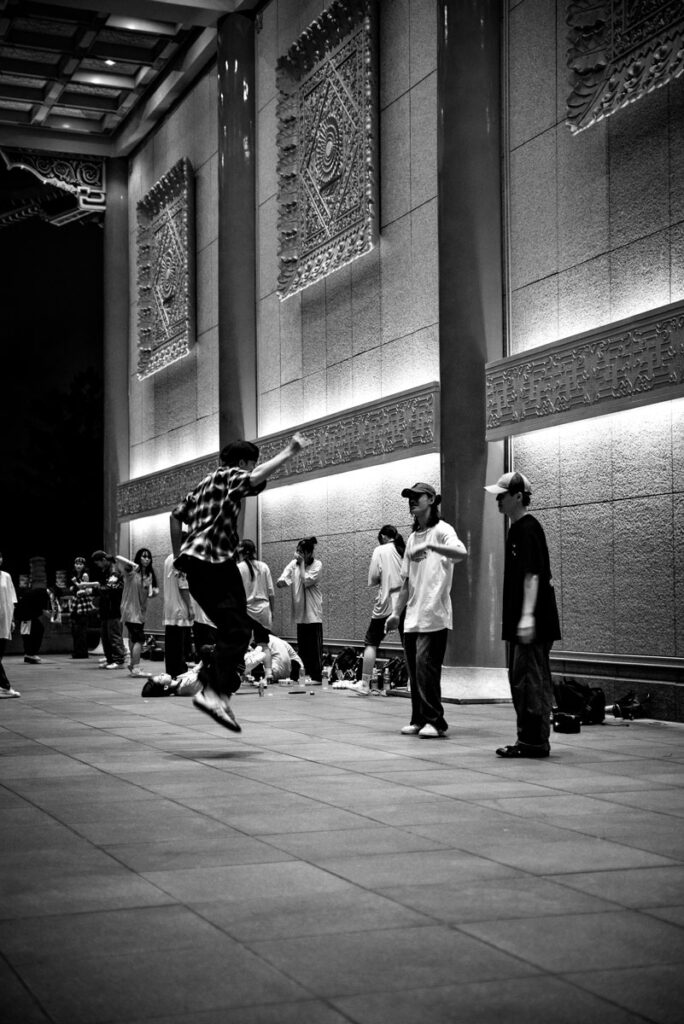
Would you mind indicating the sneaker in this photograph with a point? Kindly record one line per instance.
(428, 732)
(410, 730)
(102, 661)
(8, 693)
(359, 688)
(33, 659)
(137, 672)
(339, 684)
(219, 710)
(115, 664)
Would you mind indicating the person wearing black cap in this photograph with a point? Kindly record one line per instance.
(530, 618)
(427, 570)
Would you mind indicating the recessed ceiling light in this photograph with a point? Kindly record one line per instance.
(65, 124)
(110, 63)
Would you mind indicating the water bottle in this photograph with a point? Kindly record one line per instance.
(325, 677)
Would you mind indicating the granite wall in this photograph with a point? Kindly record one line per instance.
(596, 234)
(368, 330)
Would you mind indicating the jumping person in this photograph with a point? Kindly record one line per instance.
(206, 555)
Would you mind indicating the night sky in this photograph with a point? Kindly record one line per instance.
(51, 408)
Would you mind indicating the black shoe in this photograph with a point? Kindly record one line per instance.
(517, 750)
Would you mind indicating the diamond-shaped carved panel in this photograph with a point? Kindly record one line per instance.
(166, 271)
(327, 145)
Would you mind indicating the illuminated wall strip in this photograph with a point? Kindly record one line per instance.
(624, 365)
(398, 427)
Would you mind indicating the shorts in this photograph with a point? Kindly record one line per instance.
(375, 633)
(136, 632)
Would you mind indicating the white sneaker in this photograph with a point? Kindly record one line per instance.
(428, 732)
(359, 688)
(8, 693)
(410, 730)
(218, 709)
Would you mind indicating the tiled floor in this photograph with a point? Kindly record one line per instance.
(321, 868)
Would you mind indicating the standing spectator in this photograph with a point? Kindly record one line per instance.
(427, 571)
(81, 608)
(107, 582)
(211, 513)
(384, 573)
(530, 618)
(178, 619)
(8, 604)
(139, 583)
(33, 613)
(258, 583)
(303, 574)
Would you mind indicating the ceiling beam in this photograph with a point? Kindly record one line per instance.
(202, 13)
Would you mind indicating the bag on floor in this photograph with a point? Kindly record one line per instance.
(630, 706)
(576, 698)
(346, 666)
(396, 673)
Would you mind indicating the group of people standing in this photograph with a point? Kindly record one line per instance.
(414, 584)
(216, 582)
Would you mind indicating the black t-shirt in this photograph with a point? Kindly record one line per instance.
(32, 603)
(526, 552)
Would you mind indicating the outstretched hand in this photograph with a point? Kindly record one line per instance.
(299, 441)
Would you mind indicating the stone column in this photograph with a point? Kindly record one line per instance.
(116, 342)
(237, 229)
(237, 364)
(470, 311)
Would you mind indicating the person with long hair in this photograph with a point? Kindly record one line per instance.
(384, 572)
(82, 608)
(139, 584)
(303, 574)
(427, 571)
(258, 583)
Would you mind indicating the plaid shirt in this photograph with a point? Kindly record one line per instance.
(211, 514)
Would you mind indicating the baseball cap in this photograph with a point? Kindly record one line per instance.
(420, 488)
(511, 482)
(97, 555)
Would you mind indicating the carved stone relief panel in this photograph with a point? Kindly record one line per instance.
(632, 363)
(166, 270)
(327, 145)
(397, 427)
(619, 50)
(81, 176)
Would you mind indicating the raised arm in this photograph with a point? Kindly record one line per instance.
(262, 472)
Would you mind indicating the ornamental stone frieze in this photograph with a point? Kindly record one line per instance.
(82, 176)
(631, 363)
(620, 50)
(166, 270)
(398, 427)
(327, 145)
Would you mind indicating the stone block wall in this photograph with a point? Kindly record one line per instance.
(367, 331)
(174, 413)
(595, 228)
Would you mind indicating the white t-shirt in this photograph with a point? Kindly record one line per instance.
(429, 604)
(8, 599)
(282, 657)
(176, 593)
(307, 600)
(384, 573)
(258, 591)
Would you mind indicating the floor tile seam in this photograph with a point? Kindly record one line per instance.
(605, 799)
(560, 880)
(26, 987)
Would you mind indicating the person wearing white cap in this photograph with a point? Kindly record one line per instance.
(530, 618)
(427, 570)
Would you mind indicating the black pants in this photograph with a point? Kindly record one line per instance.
(310, 648)
(34, 639)
(424, 656)
(79, 635)
(219, 591)
(177, 641)
(529, 676)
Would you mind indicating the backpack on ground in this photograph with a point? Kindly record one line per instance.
(396, 672)
(576, 698)
(347, 665)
